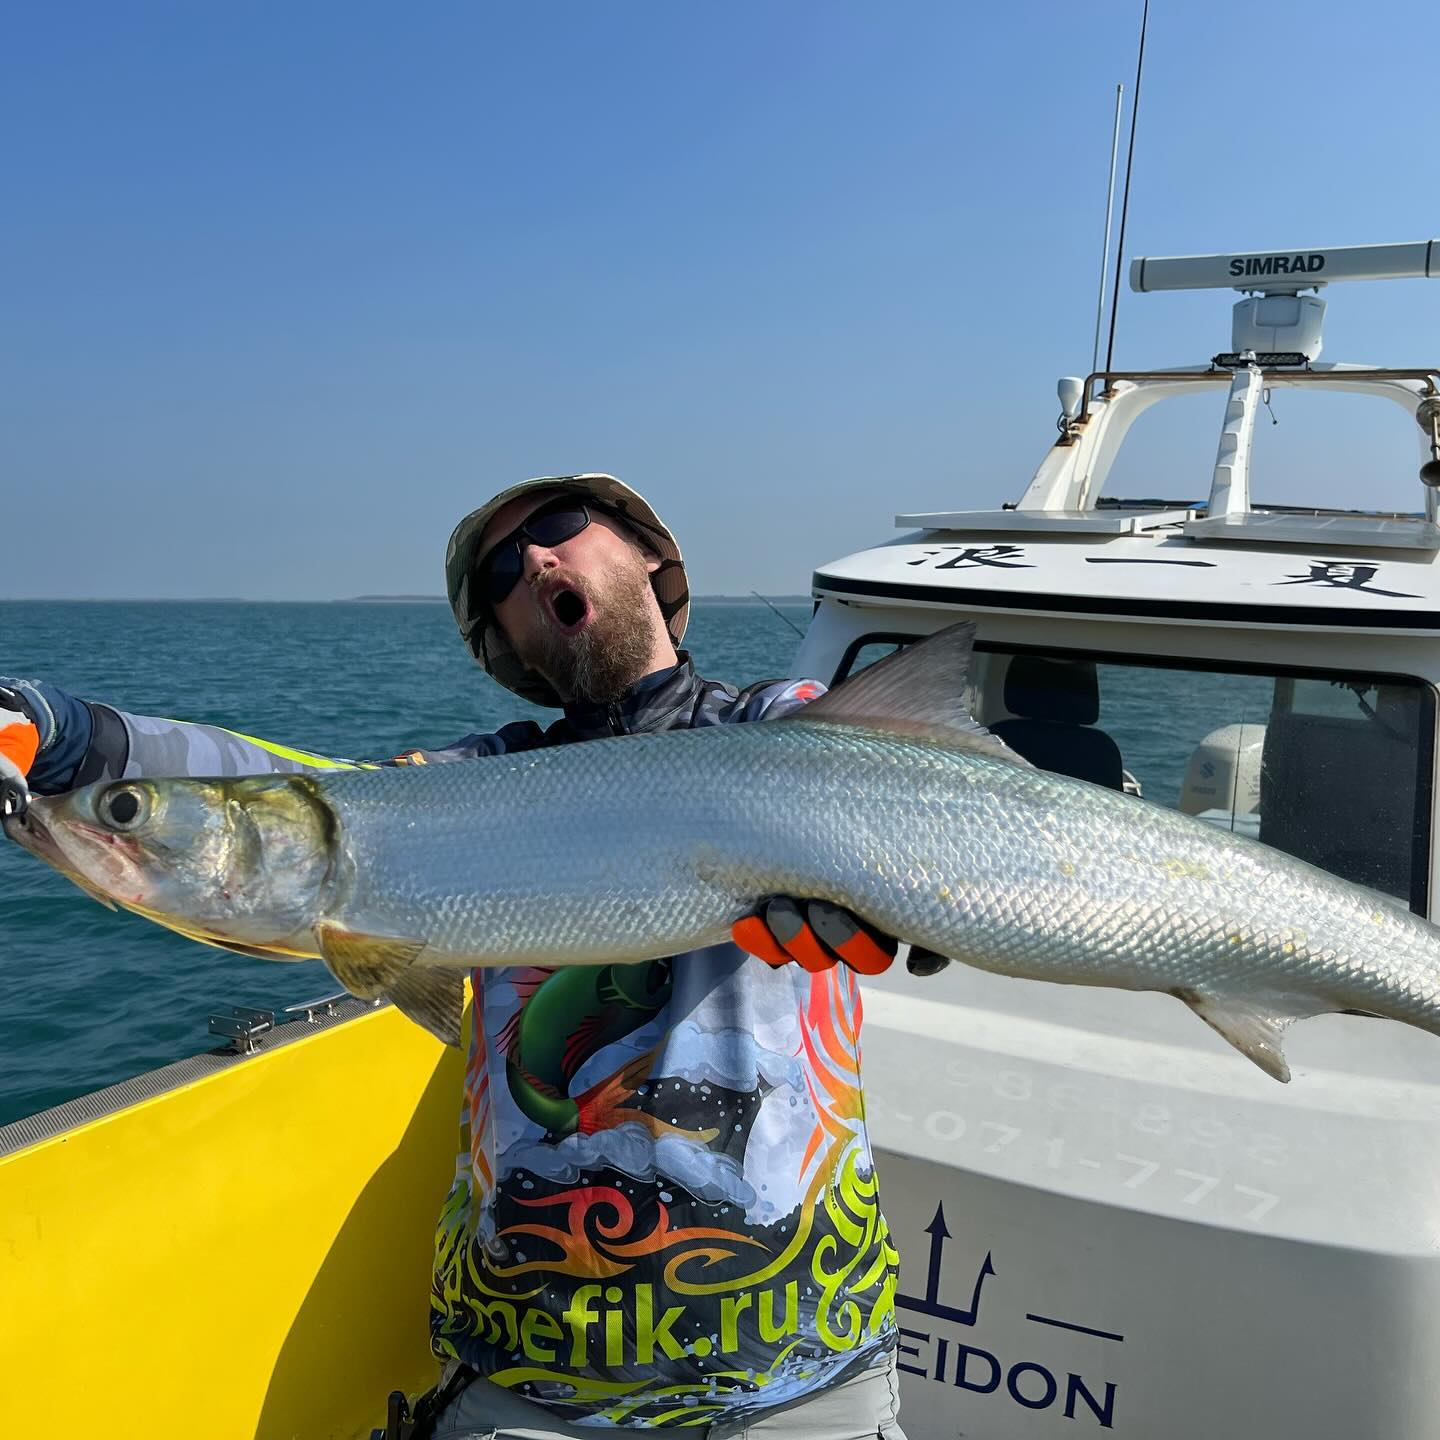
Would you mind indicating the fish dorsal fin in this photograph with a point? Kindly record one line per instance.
(377, 967)
(920, 691)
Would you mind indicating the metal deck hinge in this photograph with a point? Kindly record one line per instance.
(242, 1026)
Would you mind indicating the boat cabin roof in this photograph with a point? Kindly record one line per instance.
(1149, 560)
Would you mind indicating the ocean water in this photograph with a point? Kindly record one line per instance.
(89, 997)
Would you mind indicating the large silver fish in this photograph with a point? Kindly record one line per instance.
(884, 796)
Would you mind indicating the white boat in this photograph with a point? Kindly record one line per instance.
(1108, 1220)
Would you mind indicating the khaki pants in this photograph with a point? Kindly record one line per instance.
(863, 1406)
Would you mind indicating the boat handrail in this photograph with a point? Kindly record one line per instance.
(1093, 426)
(1216, 375)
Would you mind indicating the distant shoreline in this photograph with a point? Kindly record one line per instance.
(694, 599)
(346, 600)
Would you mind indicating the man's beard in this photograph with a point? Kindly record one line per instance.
(602, 661)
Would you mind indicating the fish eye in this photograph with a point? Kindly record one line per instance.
(123, 808)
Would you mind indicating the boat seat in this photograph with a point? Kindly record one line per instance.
(1056, 704)
(1340, 793)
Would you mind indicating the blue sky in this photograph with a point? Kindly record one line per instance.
(290, 287)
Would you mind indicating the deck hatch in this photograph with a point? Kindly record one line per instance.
(1062, 522)
(1261, 528)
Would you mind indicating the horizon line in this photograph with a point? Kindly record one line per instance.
(749, 598)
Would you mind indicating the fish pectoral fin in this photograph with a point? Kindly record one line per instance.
(918, 691)
(1254, 1024)
(366, 965)
(432, 998)
(380, 967)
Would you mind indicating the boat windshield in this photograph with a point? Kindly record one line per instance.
(1334, 768)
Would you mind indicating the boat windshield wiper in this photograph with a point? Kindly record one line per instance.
(1358, 690)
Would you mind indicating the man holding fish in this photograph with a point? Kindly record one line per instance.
(667, 1212)
(671, 1212)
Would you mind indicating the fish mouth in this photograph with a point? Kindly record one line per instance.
(565, 606)
(31, 833)
(104, 864)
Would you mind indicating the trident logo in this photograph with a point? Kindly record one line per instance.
(931, 1305)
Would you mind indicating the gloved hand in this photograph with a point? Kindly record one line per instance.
(19, 745)
(925, 962)
(818, 935)
(813, 934)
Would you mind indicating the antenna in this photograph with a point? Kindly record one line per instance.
(1109, 211)
(1125, 203)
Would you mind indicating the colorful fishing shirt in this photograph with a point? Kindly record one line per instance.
(665, 1209)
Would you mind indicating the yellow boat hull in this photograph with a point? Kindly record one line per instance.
(246, 1254)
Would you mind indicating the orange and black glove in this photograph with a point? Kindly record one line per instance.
(19, 745)
(813, 934)
(817, 935)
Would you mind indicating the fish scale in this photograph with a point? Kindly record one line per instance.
(883, 797)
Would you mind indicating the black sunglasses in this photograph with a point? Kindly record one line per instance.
(553, 523)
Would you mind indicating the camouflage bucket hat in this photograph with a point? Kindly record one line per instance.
(484, 638)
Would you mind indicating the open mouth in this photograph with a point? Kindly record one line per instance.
(30, 831)
(37, 837)
(568, 609)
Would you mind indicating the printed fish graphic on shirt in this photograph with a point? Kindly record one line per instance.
(566, 1017)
